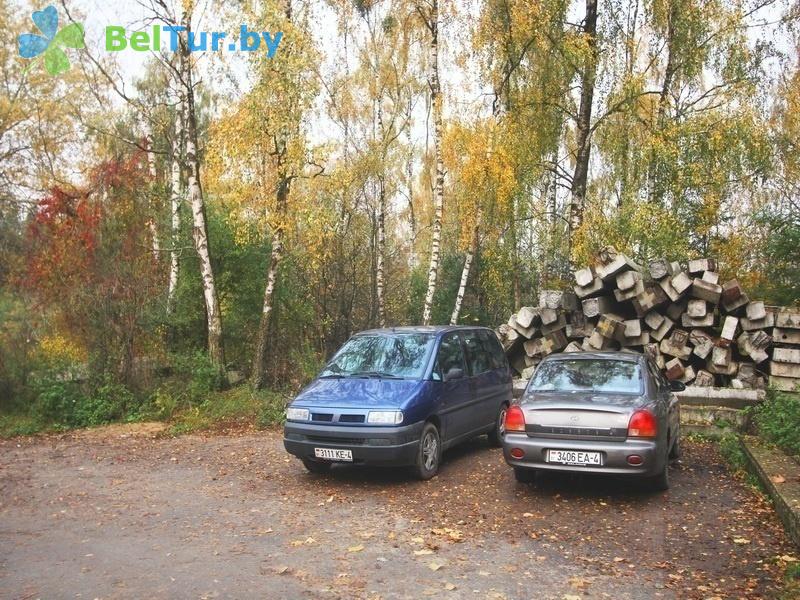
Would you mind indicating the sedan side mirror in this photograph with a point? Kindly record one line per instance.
(454, 373)
(677, 386)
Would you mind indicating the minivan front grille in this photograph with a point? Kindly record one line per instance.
(351, 418)
(327, 417)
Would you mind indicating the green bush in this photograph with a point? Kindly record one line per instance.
(107, 402)
(731, 450)
(57, 399)
(62, 399)
(193, 378)
(778, 420)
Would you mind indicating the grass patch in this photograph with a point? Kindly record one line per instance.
(20, 423)
(731, 449)
(778, 421)
(240, 406)
(792, 579)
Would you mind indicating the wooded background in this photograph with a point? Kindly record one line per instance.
(396, 162)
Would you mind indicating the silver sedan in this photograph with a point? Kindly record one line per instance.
(600, 412)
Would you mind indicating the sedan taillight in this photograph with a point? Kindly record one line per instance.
(515, 419)
(643, 424)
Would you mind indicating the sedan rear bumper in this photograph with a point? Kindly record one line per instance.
(389, 446)
(614, 454)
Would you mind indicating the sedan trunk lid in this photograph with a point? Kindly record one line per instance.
(579, 415)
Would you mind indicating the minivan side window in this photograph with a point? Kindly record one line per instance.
(449, 356)
(478, 355)
(495, 350)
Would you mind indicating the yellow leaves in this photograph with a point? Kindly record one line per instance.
(58, 348)
(480, 171)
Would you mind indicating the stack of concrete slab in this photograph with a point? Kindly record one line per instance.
(698, 329)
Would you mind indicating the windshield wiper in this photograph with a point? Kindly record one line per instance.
(377, 374)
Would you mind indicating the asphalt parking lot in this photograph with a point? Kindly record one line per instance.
(124, 512)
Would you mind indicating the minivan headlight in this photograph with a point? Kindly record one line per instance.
(297, 414)
(385, 417)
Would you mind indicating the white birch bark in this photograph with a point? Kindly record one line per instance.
(175, 198)
(473, 250)
(379, 275)
(438, 193)
(151, 222)
(412, 219)
(195, 193)
(258, 376)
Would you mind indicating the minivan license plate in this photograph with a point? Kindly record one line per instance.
(332, 454)
(574, 457)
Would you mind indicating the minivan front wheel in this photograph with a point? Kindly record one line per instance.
(316, 466)
(429, 453)
(496, 434)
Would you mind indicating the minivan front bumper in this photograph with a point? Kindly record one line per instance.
(614, 454)
(388, 446)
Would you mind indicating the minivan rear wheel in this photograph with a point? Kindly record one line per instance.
(496, 434)
(429, 453)
(316, 466)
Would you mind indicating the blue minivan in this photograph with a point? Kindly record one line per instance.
(400, 397)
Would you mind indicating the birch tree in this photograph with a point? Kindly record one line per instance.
(257, 178)
(195, 194)
(583, 122)
(429, 13)
(175, 200)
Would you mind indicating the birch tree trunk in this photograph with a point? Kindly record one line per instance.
(412, 218)
(379, 274)
(176, 195)
(438, 192)
(151, 222)
(583, 125)
(655, 191)
(473, 250)
(259, 370)
(195, 192)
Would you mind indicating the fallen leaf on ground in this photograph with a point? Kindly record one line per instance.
(741, 540)
(423, 552)
(434, 566)
(450, 586)
(579, 582)
(358, 548)
(777, 479)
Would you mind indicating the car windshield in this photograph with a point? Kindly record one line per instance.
(587, 375)
(387, 355)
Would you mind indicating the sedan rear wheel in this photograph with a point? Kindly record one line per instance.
(429, 453)
(660, 483)
(675, 452)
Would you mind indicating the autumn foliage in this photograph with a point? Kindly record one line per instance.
(89, 266)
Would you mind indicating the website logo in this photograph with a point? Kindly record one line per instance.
(49, 46)
(117, 39)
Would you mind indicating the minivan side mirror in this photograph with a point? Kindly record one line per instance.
(454, 373)
(676, 386)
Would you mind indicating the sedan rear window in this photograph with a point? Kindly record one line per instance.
(587, 375)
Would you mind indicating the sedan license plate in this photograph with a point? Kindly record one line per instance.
(575, 457)
(332, 454)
